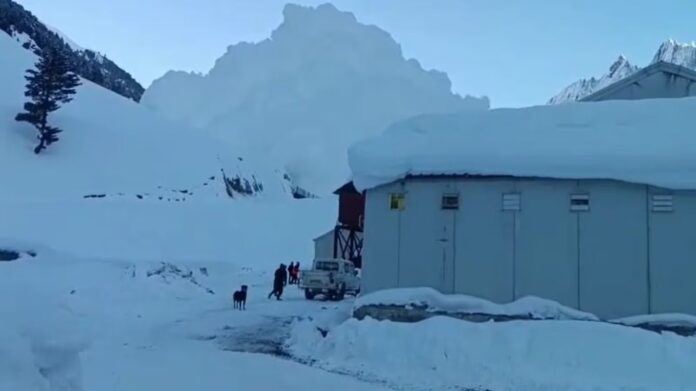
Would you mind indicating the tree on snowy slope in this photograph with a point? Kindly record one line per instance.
(49, 85)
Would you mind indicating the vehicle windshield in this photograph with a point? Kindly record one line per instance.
(327, 266)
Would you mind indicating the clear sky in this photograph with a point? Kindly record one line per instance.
(518, 52)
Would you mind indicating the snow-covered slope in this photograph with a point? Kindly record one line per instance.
(320, 82)
(683, 54)
(648, 141)
(110, 146)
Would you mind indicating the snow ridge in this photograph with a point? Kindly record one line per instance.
(319, 83)
(671, 51)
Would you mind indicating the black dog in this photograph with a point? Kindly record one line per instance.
(240, 297)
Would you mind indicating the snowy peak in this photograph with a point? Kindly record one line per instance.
(584, 87)
(683, 54)
(671, 51)
(320, 82)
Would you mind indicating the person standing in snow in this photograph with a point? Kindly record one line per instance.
(280, 279)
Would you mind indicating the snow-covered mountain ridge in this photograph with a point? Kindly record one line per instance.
(671, 51)
(322, 81)
(32, 33)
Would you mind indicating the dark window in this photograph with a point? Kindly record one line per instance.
(397, 201)
(579, 202)
(450, 201)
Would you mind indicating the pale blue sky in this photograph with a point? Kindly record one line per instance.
(516, 52)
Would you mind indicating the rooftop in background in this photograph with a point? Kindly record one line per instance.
(643, 141)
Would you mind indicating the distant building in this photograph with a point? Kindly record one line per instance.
(345, 240)
(658, 80)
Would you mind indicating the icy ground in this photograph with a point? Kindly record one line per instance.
(150, 326)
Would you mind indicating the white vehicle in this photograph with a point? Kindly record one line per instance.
(333, 278)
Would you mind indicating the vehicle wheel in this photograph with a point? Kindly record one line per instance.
(341, 292)
(308, 294)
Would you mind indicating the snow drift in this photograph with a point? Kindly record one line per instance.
(646, 141)
(533, 307)
(110, 146)
(319, 83)
(445, 353)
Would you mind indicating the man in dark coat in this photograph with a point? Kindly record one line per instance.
(280, 279)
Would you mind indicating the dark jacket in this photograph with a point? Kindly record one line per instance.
(281, 277)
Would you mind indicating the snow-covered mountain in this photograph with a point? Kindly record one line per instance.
(113, 147)
(24, 27)
(321, 81)
(683, 54)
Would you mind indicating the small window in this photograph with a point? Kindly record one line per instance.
(511, 201)
(397, 201)
(662, 203)
(579, 202)
(450, 201)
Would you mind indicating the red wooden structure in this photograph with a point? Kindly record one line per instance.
(348, 234)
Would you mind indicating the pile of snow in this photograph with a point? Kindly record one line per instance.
(110, 146)
(41, 336)
(533, 307)
(645, 141)
(320, 82)
(445, 353)
(257, 232)
(671, 51)
(668, 320)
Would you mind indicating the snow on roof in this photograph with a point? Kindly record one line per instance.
(643, 141)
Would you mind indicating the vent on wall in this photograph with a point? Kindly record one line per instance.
(511, 201)
(661, 203)
(579, 202)
(450, 201)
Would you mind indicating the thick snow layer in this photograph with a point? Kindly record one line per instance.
(320, 82)
(659, 319)
(110, 145)
(444, 353)
(71, 323)
(534, 307)
(253, 231)
(646, 141)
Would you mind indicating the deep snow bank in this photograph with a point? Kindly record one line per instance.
(644, 141)
(533, 307)
(249, 232)
(110, 146)
(320, 82)
(445, 353)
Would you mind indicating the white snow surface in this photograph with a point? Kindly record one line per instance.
(534, 307)
(646, 141)
(659, 319)
(683, 54)
(110, 145)
(320, 82)
(74, 46)
(442, 353)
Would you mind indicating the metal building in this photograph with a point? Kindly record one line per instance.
(607, 247)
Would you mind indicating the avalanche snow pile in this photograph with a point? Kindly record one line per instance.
(110, 147)
(320, 82)
(545, 355)
(434, 301)
(683, 54)
(645, 141)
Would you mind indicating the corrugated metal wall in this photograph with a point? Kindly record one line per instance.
(617, 259)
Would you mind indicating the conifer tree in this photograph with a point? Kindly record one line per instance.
(49, 86)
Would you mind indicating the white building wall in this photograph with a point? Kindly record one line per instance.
(484, 241)
(614, 250)
(546, 242)
(617, 259)
(673, 254)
